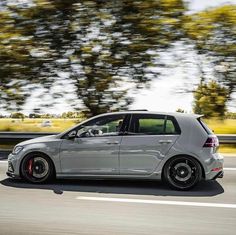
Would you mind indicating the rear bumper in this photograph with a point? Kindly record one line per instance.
(215, 167)
(219, 175)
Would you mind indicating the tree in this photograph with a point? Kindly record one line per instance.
(18, 115)
(230, 115)
(179, 110)
(214, 34)
(34, 115)
(96, 45)
(210, 99)
(19, 71)
(103, 48)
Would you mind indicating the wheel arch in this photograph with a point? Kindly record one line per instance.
(183, 155)
(42, 153)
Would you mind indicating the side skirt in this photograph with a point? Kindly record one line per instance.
(94, 177)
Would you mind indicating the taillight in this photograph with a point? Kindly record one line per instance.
(211, 142)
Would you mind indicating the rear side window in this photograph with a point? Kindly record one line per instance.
(172, 126)
(151, 124)
(205, 127)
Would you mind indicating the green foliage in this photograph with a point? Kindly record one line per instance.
(210, 100)
(17, 115)
(71, 114)
(230, 115)
(100, 45)
(214, 33)
(179, 110)
(34, 115)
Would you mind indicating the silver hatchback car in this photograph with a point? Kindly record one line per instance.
(178, 148)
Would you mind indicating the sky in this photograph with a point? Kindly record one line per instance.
(199, 5)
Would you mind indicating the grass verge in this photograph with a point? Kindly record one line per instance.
(227, 126)
(36, 125)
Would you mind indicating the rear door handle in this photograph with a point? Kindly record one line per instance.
(165, 141)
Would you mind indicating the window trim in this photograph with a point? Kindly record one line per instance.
(124, 126)
(166, 117)
(175, 123)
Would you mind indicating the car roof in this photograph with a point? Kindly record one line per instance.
(175, 114)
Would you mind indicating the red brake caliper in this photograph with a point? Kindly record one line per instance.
(30, 166)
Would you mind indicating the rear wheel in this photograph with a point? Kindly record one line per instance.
(37, 168)
(182, 172)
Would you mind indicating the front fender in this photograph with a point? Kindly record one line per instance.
(50, 149)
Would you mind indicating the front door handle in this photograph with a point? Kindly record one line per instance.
(165, 141)
(112, 142)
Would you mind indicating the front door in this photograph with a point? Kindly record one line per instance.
(149, 138)
(95, 149)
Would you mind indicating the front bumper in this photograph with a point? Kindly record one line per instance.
(12, 175)
(13, 167)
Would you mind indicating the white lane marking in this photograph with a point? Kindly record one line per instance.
(160, 202)
(229, 169)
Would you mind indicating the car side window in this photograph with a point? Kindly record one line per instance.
(148, 124)
(171, 126)
(102, 126)
(153, 124)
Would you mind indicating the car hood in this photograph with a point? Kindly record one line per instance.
(39, 140)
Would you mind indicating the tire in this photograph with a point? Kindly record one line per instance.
(37, 168)
(182, 172)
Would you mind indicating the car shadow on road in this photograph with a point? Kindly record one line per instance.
(154, 188)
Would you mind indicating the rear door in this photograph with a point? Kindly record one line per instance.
(146, 143)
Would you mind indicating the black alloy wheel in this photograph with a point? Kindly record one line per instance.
(182, 172)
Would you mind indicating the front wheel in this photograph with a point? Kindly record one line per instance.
(182, 172)
(36, 168)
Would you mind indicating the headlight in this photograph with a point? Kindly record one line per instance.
(17, 149)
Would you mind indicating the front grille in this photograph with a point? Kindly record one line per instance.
(10, 167)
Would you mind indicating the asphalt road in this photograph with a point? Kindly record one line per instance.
(118, 207)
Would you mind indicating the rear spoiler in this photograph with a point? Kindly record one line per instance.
(198, 116)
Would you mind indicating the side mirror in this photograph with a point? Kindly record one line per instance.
(72, 135)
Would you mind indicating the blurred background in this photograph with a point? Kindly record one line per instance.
(62, 61)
